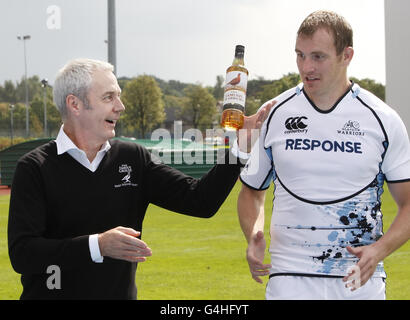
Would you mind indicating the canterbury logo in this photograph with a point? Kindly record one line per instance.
(295, 123)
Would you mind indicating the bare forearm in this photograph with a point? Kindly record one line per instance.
(399, 231)
(251, 211)
(397, 235)
(394, 238)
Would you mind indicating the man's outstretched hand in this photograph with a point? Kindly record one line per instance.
(249, 133)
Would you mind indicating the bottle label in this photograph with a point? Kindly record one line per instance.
(235, 90)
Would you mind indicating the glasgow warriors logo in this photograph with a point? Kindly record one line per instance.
(296, 125)
(351, 128)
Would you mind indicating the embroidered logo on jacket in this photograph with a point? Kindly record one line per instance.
(126, 180)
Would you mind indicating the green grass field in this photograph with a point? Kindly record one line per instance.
(204, 259)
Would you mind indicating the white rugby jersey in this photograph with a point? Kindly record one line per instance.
(328, 168)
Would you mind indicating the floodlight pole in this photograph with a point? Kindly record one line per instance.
(11, 123)
(44, 84)
(112, 55)
(24, 38)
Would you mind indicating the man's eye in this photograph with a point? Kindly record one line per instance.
(318, 56)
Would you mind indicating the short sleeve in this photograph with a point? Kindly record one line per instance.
(396, 163)
(259, 169)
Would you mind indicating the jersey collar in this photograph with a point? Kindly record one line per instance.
(352, 85)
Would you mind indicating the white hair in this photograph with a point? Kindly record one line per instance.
(75, 78)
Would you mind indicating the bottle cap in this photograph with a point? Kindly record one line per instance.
(239, 49)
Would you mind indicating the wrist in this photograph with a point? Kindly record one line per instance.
(237, 152)
(95, 248)
(381, 251)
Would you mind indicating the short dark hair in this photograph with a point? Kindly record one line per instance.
(334, 23)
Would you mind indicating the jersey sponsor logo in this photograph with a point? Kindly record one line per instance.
(351, 128)
(126, 180)
(327, 145)
(296, 125)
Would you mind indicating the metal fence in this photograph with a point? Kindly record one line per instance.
(189, 157)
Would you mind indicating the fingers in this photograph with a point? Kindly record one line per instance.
(261, 117)
(133, 241)
(353, 279)
(129, 231)
(255, 121)
(121, 243)
(134, 249)
(134, 256)
(267, 109)
(263, 113)
(354, 251)
(259, 270)
(360, 273)
(130, 237)
(255, 256)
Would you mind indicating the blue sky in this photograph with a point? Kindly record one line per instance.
(186, 40)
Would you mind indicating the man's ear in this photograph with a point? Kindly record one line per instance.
(73, 104)
(348, 54)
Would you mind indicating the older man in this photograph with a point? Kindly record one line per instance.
(72, 210)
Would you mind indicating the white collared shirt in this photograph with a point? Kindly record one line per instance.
(65, 144)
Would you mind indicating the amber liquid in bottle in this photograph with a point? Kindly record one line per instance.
(235, 92)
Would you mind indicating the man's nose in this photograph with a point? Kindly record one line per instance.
(308, 66)
(119, 106)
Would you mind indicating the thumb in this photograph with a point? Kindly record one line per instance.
(354, 251)
(129, 231)
(259, 236)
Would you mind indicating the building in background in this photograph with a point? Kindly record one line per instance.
(397, 20)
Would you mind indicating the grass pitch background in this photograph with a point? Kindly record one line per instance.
(204, 259)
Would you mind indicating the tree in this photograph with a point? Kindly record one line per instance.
(8, 93)
(173, 107)
(53, 115)
(272, 90)
(199, 108)
(34, 87)
(19, 116)
(144, 107)
(255, 85)
(376, 88)
(150, 102)
(4, 118)
(252, 105)
(218, 89)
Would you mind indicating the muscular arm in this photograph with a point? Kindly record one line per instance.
(399, 231)
(251, 218)
(251, 211)
(397, 235)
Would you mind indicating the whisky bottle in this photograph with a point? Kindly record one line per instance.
(235, 92)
